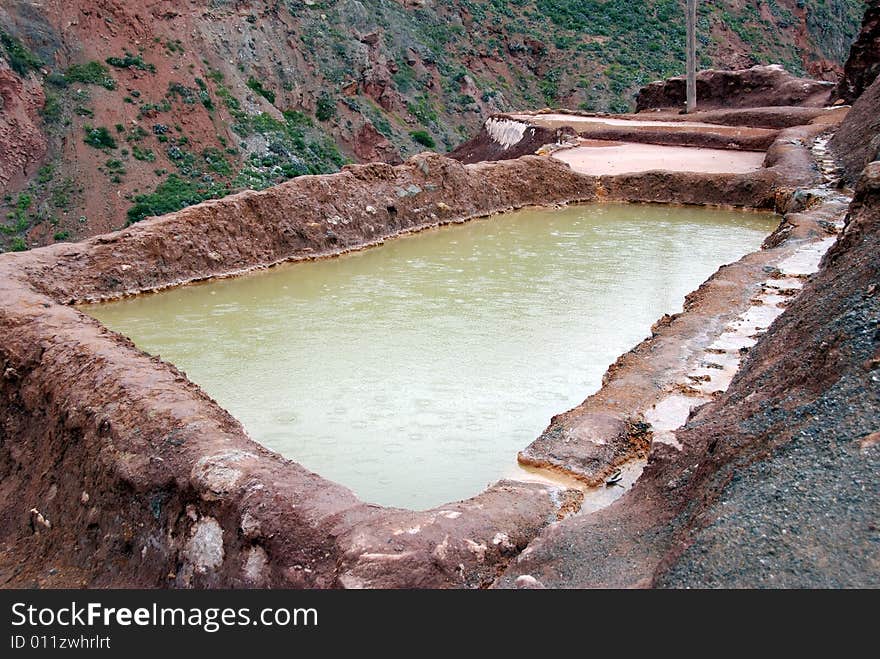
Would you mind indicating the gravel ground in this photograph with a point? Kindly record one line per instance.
(809, 514)
(807, 517)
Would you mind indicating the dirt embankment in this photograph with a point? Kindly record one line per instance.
(503, 137)
(509, 136)
(857, 142)
(863, 65)
(759, 86)
(308, 217)
(787, 492)
(763, 117)
(670, 131)
(788, 165)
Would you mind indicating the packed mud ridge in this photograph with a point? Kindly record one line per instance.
(737, 445)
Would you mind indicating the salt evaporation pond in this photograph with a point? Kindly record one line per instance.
(414, 372)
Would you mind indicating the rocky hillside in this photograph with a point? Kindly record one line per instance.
(863, 64)
(857, 142)
(113, 111)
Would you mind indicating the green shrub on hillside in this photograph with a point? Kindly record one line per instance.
(45, 174)
(257, 86)
(21, 60)
(51, 110)
(17, 244)
(423, 138)
(90, 73)
(423, 110)
(144, 155)
(326, 108)
(171, 195)
(99, 137)
(130, 61)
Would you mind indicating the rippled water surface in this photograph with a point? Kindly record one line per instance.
(414, 372)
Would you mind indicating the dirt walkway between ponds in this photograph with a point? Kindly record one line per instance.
(652, 131)
(551, 120)
(632, 158)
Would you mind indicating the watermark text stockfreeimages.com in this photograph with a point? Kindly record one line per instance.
(209, 619)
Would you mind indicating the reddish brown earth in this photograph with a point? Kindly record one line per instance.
(22, 143)
(763, 117)
(863, 65)
(858, 141)
(759, 86)
(718, 136)
(482, 147)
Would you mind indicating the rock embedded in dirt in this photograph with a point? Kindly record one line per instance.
(759, 86)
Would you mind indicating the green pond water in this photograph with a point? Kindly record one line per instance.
(414, 372)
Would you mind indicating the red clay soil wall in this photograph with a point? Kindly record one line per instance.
(747, 139)
(308, 217)
(115, 470)
(787, 165)
(483, 147)
(857, 141)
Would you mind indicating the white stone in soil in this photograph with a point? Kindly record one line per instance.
(505, 132)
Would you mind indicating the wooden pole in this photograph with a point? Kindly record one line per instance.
(691, 55)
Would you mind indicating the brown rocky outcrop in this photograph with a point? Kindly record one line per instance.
(371, 146)
(863, 64)
(857, 141)
(759, 86)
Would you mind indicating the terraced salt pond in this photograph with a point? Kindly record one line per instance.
(414, 372)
